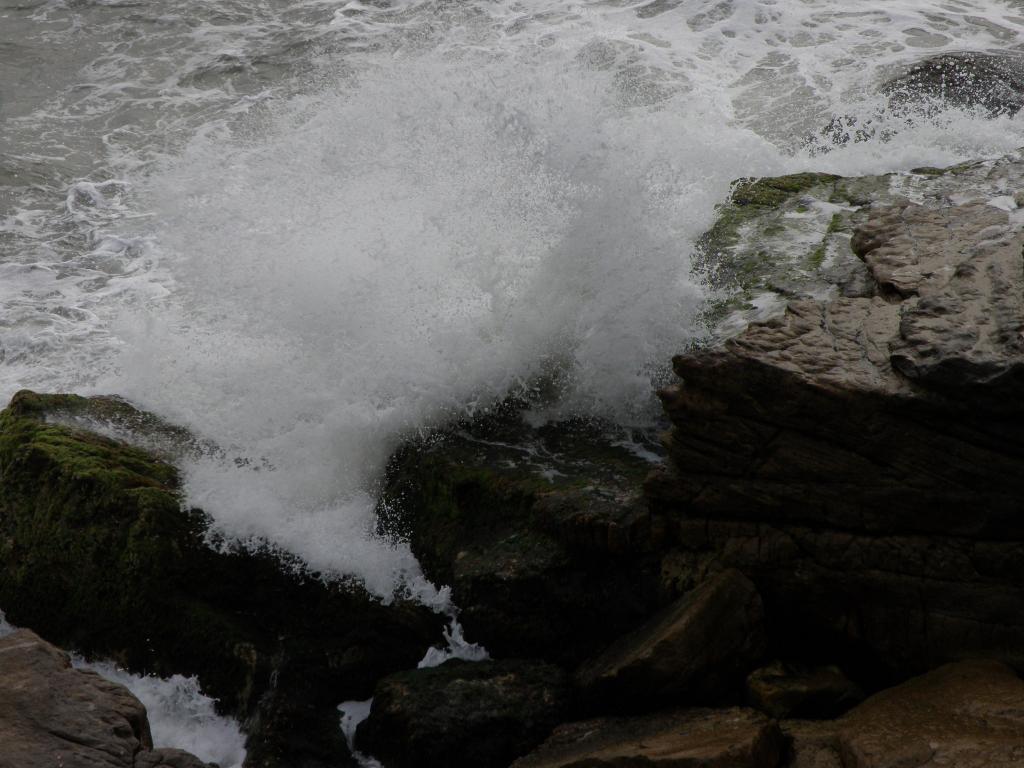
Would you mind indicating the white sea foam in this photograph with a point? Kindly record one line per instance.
(180, 715)
(310, 230)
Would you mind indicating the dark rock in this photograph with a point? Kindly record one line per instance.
(541, 533)
(859, 457)
(695, 650)
(168, 758)
(694, 738)
(96, 553)
(54, 715)
(994, 83)
(788, 690)
(969, 714)
(481, 714)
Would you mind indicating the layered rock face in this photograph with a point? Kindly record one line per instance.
(858, 454)
(54, 715)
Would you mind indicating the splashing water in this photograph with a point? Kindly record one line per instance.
(180, 715)
(310, 230)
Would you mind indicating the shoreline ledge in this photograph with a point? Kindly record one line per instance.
(842, 477)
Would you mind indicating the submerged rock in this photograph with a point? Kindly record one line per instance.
(859, 456)
(480, 714)
(689, 738)
(991, 82)
(541, 533)
(968, 714)
(54, 715)
(97, 553)
(696, 650)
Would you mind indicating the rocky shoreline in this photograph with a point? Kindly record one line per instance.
(825, 571)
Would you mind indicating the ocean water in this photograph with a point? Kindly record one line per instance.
(308, 230)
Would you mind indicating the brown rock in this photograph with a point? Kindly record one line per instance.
(695, 738)
(692, 650)
(811, 744)
(969, 715)
(786, 690)
(54, 715)
(859, 457)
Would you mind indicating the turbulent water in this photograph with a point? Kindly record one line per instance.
(309, 229)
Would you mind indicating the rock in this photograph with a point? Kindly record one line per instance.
(787, 690)
(993, 83)
(480, 714)
(968, 714)
(541, 533)
(859, 456)
(694, 738)
(696, 649)
(96, 553)
(54, 715)
(811, 744)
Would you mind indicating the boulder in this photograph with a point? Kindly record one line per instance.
(695, 650)
(98, 553)
(796, 690)
(480, 714)
(689, 738)
(993, 83)
(858, 454)
(54, 715)
(968, 714)
(541, 533)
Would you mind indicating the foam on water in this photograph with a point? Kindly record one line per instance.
(326, 226)
(180, 715)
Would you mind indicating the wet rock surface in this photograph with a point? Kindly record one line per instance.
(858, 456)
(542, 533)
(481, 714)
(96, 553)
(695, 738)
(993, 83)
(54, 715)
(697, 649)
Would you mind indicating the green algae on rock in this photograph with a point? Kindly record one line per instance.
(98, 553)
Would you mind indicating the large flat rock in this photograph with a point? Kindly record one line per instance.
(968, 714)
(695, 738)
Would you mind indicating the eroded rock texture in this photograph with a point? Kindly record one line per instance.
(859, 455)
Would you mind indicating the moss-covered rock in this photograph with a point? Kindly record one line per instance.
(98, 553)
(541, 533)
